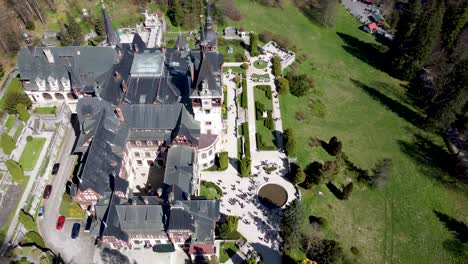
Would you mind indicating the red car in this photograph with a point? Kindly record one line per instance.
(47, 191)
(60, 222)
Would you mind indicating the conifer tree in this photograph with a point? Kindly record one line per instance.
(176, 13)
(74, 30)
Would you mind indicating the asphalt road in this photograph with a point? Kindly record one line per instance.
(72, 251)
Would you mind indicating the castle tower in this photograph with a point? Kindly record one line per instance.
(209, 38)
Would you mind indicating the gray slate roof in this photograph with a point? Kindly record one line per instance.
(210, 72)
(87, 66)
(179, 172)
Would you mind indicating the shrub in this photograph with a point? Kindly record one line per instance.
(237, 79)
(228, 229)
(15, 169)
(297, 175)
(29, 138)
(30, 25)
(283, 86)
(355, 251)
(219, 191)
(244, 58)
(8, 144)
(289, 139)
(277, 71)
(244, 66)
(223, 160)
(23, 112)
(243, 102)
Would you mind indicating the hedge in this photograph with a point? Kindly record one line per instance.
(214, 186)
(261, 145)
(223, 161)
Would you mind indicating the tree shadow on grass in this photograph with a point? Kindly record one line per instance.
(458, 245)
(337, 192)
(433, 160)
(372, 54)
(401, 110)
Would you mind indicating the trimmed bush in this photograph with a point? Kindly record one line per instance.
(223, 160)
(15, 169)
(277, 71)
(245, 166)
(8, 144)
(29, 138)
(30, 25)
(243, 101)
(283, 86)
(244, 66)
(289, 139)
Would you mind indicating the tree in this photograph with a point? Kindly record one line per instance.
(99, 25)
(14, 98)
(15, 170)
(23, 112)
(254, 45)
(455, 20)
(2, 71)
(283, 86)
(297, 175)
(325, 12)
(324, 251)
(277, 70)
(418, 37)
(229, 227)
(292, 222)
(289, 140)
(314, 175)
(12, 45)
(64, 37)
(381, 173)
(30, 25)
(74, 30)
(299, 84)
(346, 193)
(334, 147)
(223, 160)
(8, 144)
(175, 13)
(307, 261)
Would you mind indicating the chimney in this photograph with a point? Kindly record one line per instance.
(117, 76)
(119, 114)
(192, 72)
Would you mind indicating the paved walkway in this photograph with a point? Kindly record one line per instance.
(32, 179)
(257, 224)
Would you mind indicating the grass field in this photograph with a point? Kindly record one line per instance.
(15, 85)
(47, 110)
(260, 64)
(228, 250)
(70, 208)
(18, 131)
(397, 224)
(31, 153)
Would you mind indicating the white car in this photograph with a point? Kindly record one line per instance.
(40, 212)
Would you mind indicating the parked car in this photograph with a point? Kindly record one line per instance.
(75, 230)
(60, 222)
(55, 168)
(40, 213)
(47, 191)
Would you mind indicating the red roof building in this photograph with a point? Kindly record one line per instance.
(201, 249)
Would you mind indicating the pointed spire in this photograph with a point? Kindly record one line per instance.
(111, 36)
(208, 20)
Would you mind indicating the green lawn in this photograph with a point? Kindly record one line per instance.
(228, 249)
(237, 51)
(396, 224)
(49, 110)
(10, 122)
(266, 134)
(18, 131)
(70, 208)
(260, 64)
(31, 153)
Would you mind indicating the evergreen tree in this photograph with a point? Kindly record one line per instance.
(74, 30)
(2, 71)
(292, 222)
(254, 45)
(64, 37)
(417, 40)
(175, 13)
(289, 140)
(455, 20)
(99, 25)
